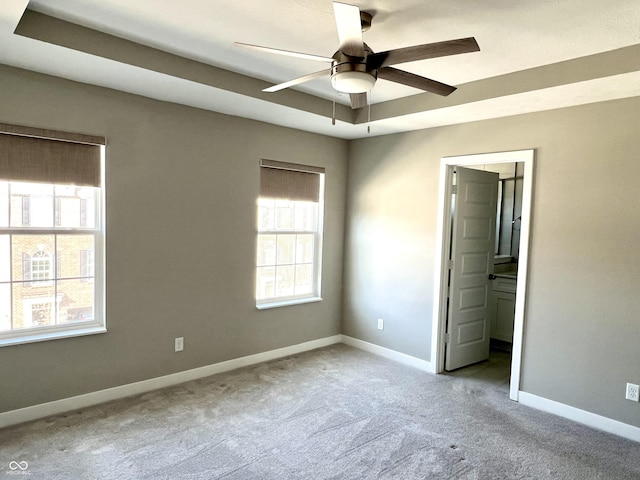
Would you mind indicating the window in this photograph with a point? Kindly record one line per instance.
(87, 267)
(83, 212)
(40, 267)
(56, 212)
(289, 244)
(51, 235)
(26, 210)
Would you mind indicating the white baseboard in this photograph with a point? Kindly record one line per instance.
(580, 416)
(82, 401)
(390, 354)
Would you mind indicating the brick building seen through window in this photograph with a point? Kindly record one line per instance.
(52, 273)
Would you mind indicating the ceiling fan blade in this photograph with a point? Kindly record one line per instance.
(297, 81)
(412, 80)
(287, 53)
(422, 52)
(358, 100)
(349, 29)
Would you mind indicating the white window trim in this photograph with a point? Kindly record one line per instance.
(51, 334)
(286, 302)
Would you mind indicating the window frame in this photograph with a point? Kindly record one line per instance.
(97, 324)
(318, 233)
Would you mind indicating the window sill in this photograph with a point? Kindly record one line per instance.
(45, 336)
(285, 303)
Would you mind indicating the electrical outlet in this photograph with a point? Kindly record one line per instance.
(179, 344)
(633, 392)
(380, 324)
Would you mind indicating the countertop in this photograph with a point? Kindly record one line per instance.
(510, 275)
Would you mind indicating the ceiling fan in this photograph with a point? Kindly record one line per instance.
(355, 67)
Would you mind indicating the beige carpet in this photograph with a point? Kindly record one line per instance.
(334, 413)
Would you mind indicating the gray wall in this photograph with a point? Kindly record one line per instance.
(582, 330)
(181, 190)
(181, 194)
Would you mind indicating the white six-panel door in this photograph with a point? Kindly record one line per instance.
(472, 253)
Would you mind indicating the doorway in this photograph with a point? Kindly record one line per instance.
(443, 251)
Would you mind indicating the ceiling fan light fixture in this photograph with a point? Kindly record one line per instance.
(353, 81)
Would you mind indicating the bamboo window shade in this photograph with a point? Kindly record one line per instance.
(290, 181)
(47, 156)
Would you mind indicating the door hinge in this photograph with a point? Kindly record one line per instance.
(447, 338)
(454, 189)
(450, 264)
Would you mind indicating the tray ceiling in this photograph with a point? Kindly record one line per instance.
(535, 55)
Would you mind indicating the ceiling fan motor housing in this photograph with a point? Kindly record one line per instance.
(350, 74)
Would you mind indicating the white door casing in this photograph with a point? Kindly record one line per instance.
(527, 157)
(472, 251)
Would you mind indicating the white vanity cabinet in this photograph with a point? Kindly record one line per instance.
(503, 307)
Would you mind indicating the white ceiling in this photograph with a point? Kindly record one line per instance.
(513, 36)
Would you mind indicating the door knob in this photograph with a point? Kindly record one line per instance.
(492, 276)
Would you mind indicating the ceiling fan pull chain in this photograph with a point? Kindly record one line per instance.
(369, 113)
(333, 114)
